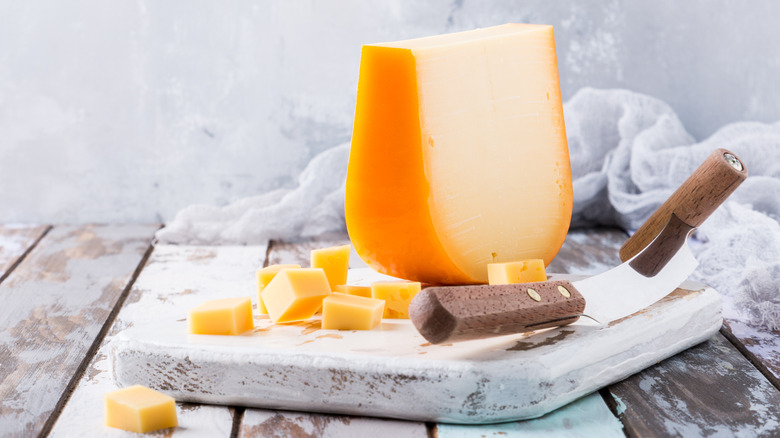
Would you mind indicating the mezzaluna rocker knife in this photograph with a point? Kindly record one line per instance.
(656, 260)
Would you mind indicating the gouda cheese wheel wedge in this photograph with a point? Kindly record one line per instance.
(459, 155)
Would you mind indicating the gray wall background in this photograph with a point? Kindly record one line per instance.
(130, 110)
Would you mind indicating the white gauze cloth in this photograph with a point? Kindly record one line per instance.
(629, 152)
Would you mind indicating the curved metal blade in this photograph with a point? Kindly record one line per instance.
(622, 290)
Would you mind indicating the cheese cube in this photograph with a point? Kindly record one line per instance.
(459, 155)
(351, 312)
(524, 271)
(334, 261)
(361, 291)
(397, 296)
(139, 409)
(228, 316)
(264, 276)
(295, 294)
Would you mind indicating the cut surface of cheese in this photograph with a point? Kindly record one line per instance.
(227, 316)
(397, 296)
(361, 291)
(334, 261)
(139, 409)
(351, 312)
(523, 271)
(264, 276)
(295, 294)
(459, 155)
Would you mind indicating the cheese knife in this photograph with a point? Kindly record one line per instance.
(657, 260)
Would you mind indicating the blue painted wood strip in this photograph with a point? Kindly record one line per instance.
(586, 417)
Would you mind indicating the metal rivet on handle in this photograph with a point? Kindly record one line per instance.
(733, 161)
(534, 295)
(565, 292)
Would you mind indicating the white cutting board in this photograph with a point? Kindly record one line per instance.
(393, 372)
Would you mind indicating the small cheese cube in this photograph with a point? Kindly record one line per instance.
(228, 316)
(361, 291)
(264, 276)
(139, 409)
(524, 271)
(397, 296)
(351, 312)
(334, 261)
(295, 294)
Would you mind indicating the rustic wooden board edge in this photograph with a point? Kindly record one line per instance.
(198, 366)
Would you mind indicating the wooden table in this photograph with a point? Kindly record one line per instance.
(67, 290)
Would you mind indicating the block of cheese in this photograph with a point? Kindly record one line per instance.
(459, 155)
(397, 296)
(523, 271)
(264, 276)
(361, 291)
(351, 312)
(227, 316)
(139, 409)
(295, 294)
(334, 261)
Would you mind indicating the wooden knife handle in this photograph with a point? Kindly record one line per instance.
(459, 313)
(693, 202)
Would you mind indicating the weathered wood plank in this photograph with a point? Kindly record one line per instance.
(15, 241)
(55, 304)
(261, 422)
(708, 390)
(586, 417)
(175, 279)
(760, 345)
(757, 343)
